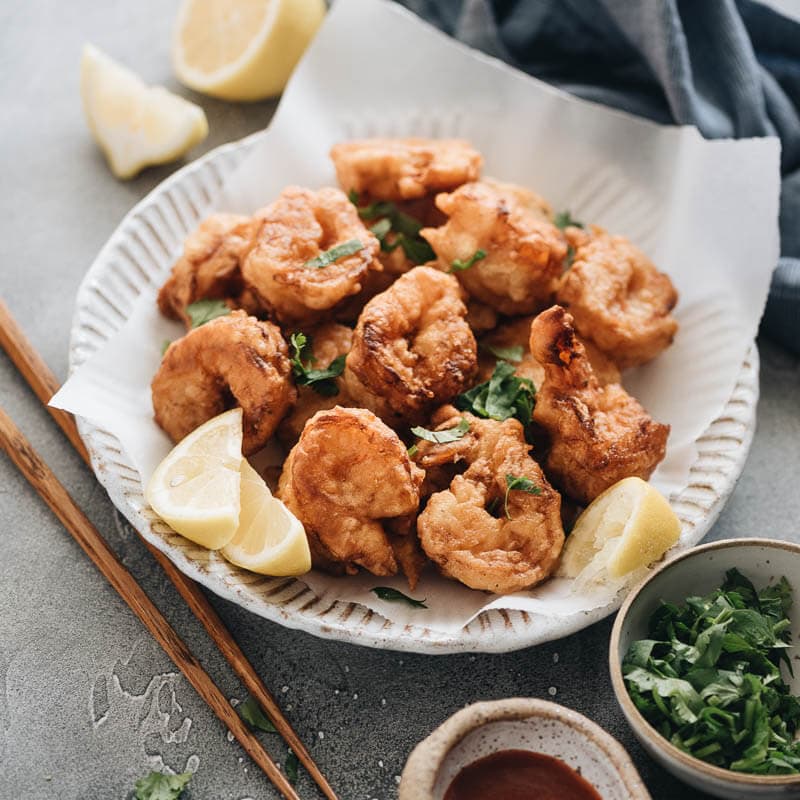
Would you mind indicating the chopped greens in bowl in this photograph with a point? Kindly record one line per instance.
(711, 677)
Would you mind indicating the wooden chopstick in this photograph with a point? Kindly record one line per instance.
(44, 384)
(39, 475)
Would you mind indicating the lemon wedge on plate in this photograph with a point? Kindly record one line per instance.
(196, 488)
(134, 124)
(242, 49)
(270, 539)
(625, 529)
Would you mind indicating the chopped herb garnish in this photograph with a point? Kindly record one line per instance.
(157, 786)
(291, 767)
(405, 229)
(518, 483)
(204, 311)
(393, 596)
(459, 266)
(708, 677)
(442, 437)
(513, 353)
(251, 713)
(412, 451)
(503, 396)
(165, 345)
(563, 219)
(328, 257)
(381, 228)
(569, 258)
(322, 381)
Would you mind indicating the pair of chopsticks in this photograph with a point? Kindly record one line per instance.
(39, 475)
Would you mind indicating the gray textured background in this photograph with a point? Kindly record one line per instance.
(88, 700)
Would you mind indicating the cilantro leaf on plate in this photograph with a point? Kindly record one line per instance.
(395, 596)
(442, 437)
(322, 381)
(503, 396)
(203, 311)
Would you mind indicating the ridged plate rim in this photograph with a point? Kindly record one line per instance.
(134, 257)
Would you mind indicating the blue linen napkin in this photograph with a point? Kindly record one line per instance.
(729, 67)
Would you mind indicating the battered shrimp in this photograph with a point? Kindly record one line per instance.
(404, 169)
(516, 333)
(290, 234)
(346, 479)
(516, 252)
(478, 532)
(619, 299)
(509, 342)
(328, 341)
(412, 348)
(210, 267)
(599, 434)
(232, 360)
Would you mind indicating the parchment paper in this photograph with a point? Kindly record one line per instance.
(705, 211)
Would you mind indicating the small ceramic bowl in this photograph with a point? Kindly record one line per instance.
(520, 724)
(698, 572)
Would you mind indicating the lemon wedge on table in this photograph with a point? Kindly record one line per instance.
(134, 124)
(270, 539)
(626, 528)
(196, 488)
(242, 49)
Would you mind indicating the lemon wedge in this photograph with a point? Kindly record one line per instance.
(242, 49)
(625, 529)
(196, 488)
(270, 539)
(135, 125)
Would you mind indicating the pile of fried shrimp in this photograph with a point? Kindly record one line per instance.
(438, 354)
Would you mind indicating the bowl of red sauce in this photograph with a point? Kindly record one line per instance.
(517, 749)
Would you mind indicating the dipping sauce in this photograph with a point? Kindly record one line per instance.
(519, 775)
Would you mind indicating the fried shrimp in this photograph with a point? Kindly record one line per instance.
(513, 253)
(404, 169)
(328, 341)
(619, 299)
(232, 360)
(599, 434)
(480, 530)
(351, 483)
(412, 348)
(294, 268)
(210, 267)
(510, 341)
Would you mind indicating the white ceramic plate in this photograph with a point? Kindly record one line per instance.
(137, 255)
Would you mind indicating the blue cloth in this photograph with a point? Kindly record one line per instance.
(729, 67)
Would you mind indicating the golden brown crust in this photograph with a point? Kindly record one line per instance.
(412, 348)
(524, 251)
(465, 530)
(235, 357)
(619, 299)
(296, 228)
(404, 169)
(347, 475)
(210, 267)
(599, 434)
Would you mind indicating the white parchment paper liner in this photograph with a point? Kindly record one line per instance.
(705, 211)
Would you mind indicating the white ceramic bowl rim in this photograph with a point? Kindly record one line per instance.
(629, 707)
(429, 755)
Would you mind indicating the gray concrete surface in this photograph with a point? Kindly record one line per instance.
(88, 702)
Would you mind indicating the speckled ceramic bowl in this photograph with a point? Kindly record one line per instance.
(698, 572)
(520, 724)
